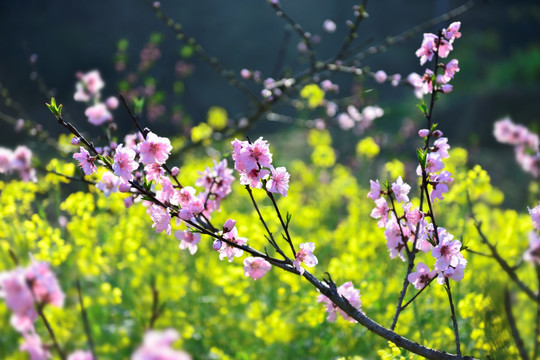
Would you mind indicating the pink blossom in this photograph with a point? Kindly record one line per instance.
(112, 102)
(251, 157)
(396, 78)
(14, 289)
(455, 273)
(124, 162)
(375, 190)
(185, 196)
(401, 190)
(329, 26)
(423, 133)
(98, 114)
(422, 276)
(44, 284)
(161, 218)
(81, 355)
(424, 233)
(34, 347)
(347, 291)
(413, 215)
(535, 216)
(439, 184)
(155, 149)
(428, 48)
(305, 255)
(450, 69)
(447, 252)
(86, 162)
(245, 73)
(533, 252)
(256, 267)
(380, 211)
(188, 240)
(108, 184)
(228, 251)
(154, 172)
(380, 76)
(394, 239)
(279, 181)
(157, 346)
(229, 225)
(89, 86)
(441, 147)
(446, 88)
(22, 163)
(453, 31)
(6, 156)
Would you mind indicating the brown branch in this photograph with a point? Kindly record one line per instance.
(86, 323)
(512, 322)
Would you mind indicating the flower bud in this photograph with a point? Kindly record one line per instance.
(124, 187)
(175, 171)
(229, 225)
(75, 141)
(423, 132)
(437, 134)
(217, 245)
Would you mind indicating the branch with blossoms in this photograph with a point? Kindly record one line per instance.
(284, 90)
(411, 225)
(137, 167)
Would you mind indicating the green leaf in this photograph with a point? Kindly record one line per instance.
(56, 110)
(421, 155)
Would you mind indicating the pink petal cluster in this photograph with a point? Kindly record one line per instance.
(256, 267)
(253, 161)
(348, 292)
(188, 240)
(34, 346)
(449, 263)
(278, 181)
(155, 149)
(226, 250)
(86, 162)
(431, 44)
(401, 190)
(124, 162)
(20, 161)
(88, 90)
(422, 276)
(157, 345)
(98, 114)
(108, 183)
(216, 181)
(22, 287)
(161, 218)
(360, 121)
(526, 144)
(89, 86)
(533, 252)
(305, 255)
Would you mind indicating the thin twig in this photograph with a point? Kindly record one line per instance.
(418, 293)
(361, 14)
(298, 28)
(495, 254)
(512, 322)
(283, 224)
(86, 323)
(198, 49)
(454, 319)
